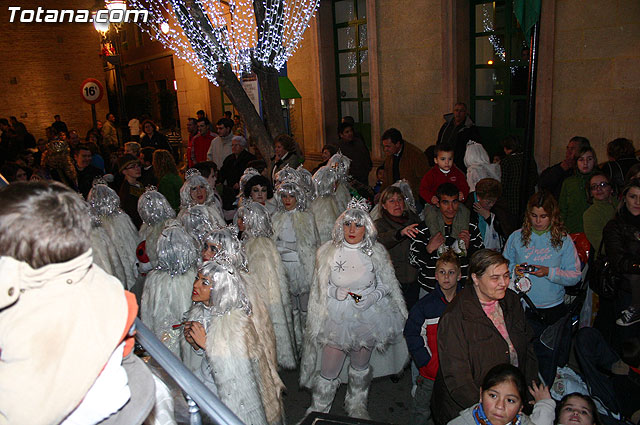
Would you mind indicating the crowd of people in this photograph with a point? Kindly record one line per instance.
(245, 266)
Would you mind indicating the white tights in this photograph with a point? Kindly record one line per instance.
(333, 359)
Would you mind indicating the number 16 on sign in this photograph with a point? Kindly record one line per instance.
(92, 92)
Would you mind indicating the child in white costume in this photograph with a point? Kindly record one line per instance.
(263, 259)
(296, 237)
(356, 309)
(224, 242)
(167, 290)
(476, 159)
(105, 204)
(235, 359)
(341, 164)
(154, 210)
(105, 254)
(325, 206)
(197, 191)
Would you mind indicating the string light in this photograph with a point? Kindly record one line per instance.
(207, 33)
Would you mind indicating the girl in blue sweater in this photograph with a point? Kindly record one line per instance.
(543, 243)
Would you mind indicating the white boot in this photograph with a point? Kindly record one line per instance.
(355, 402)
(324, 391)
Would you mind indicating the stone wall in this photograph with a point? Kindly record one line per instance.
(596, 73)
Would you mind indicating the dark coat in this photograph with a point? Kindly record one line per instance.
(157, 141)
(622, 245)
(360, 158)
(398, 246)
(458, 137)
(230, 173)
(469, 345)
(413, 166)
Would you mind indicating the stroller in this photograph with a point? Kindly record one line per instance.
(556, 338)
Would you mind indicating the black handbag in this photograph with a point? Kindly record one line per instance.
(603, 279)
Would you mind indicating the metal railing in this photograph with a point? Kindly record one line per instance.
(199, 394)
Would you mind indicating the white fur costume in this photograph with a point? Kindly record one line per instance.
(105, 204)
(193, 179)
(167, 290)
(264, 261)
(298, 256)
(104, 251)
(341, 164)
(325, 206)
(239, 366)
(154, 210)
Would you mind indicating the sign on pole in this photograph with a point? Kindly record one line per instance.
(92, 91)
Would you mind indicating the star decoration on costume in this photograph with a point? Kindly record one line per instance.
(339, 267)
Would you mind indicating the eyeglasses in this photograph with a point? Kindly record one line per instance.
(600, 185)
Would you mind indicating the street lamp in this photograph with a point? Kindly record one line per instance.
(111, 50)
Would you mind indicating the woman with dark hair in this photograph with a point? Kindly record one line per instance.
(622, 242)
(153, 138)
(287, 153)
(576, 408)
(169, 182)
(622, 156)
(327, 152)
(602, 209)
(503, 395)
(483, 326)
(573, 195)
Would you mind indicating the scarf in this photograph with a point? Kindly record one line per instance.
(400, 220)
(481, 418)
(494, 312)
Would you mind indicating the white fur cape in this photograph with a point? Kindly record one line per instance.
(343, 196)
(164, 301)
(389, 357)
(240, 370)
(125, 239)
(151, 234)
(265, 264)
(105, 254)
(304, 224)
(325, 211)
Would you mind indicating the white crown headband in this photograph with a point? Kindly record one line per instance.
(361, 204)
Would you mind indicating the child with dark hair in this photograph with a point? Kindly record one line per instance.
(444, 171)
(421, 332)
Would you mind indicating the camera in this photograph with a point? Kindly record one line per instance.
(528, 269)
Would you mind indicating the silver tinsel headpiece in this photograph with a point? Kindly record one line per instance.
(324, 181)
(103, 200)
(229, 246)
(246, 176)
(153, 207)
(306, 181)
(256, 219)
(177, 250)
(341, 163)
(356, 212)
(197, 222)
(291, 188)
(228, 291)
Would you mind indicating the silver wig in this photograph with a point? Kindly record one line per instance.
(403, 185)
(256, 219)
(356, 212)
(227, 287)
(324, 181)
(291, 188)
(306, 181)
(193, 178)
(229, 246)
(177, 250)
(286, 174)
(153, 207)
(197, 222)
(341, 163)
(103, 200)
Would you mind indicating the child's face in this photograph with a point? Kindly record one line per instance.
(586, 162)
(501, 403)
(447, 275)
(444, 160)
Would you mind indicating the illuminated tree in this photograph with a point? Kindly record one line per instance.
(221, 39)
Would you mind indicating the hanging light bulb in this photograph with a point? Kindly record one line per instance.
(164, 27)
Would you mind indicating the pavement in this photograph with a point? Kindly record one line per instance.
(389, 402)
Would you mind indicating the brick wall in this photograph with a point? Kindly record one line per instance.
(48, 62)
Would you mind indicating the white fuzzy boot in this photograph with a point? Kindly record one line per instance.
(355, 402)
(324, 391)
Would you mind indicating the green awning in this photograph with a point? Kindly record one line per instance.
(287, 89)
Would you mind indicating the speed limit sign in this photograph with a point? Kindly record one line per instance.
(92, 91)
